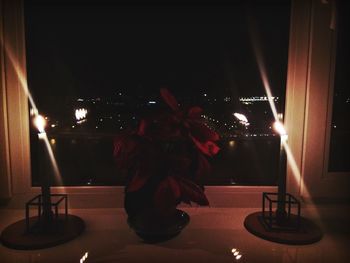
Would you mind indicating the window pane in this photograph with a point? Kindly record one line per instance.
(339, 158)
(111, 60)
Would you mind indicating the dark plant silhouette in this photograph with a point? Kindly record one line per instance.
(165, 157)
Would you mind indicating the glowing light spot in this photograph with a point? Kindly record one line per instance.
(53, 141)
(238, 257)
(236, 253)
(234, 250)
(231, 143)
(33, 112)
(80, 114)
(240, 117)
(40, 123)
(84, 257)
(278, 126)
(263, 73)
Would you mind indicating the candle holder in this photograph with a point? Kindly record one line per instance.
(38, 203)
(273, 221)
(48, 228)
(277, 222)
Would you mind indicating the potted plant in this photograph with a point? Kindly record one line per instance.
(164, 159)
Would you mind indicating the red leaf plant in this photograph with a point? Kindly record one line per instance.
(165, 157)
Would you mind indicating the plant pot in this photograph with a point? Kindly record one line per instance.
(153, 228)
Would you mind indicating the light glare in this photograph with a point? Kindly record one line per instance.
(80, 114)
(240, 117)
(278, 126)
(40, 123)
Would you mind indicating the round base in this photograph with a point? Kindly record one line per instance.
(153, 230)
(59, 231)
(307, 233)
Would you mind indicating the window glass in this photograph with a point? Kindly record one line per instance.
(339, 158)
(96, 69)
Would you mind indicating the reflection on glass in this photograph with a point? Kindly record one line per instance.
(236, 254)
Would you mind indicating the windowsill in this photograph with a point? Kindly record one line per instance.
(113, 196)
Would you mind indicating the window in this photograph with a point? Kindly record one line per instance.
(95, 69)
(339, 159)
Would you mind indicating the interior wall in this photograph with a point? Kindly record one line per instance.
(5, 187)
(14, 149)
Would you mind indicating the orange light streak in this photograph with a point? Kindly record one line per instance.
(38, 119)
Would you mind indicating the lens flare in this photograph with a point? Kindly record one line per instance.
(39, 121)
(56, 170)
(278, 126)
(292, 164)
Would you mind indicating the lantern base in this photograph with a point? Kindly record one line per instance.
(307, 232)
(61, 230)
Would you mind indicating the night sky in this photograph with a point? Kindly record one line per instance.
(94, 49)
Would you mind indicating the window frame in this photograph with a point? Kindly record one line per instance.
(15, 146)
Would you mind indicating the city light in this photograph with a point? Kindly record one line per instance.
(242, 118)
(231, 143)
(80, 114)
(254, 99)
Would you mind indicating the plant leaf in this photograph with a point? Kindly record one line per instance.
(138, 181)
(165, 199)
(126, 150)
(203, 166)
(191, 191)
(201, 132)
(209, 148)
(169, 99)
(194, 112)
